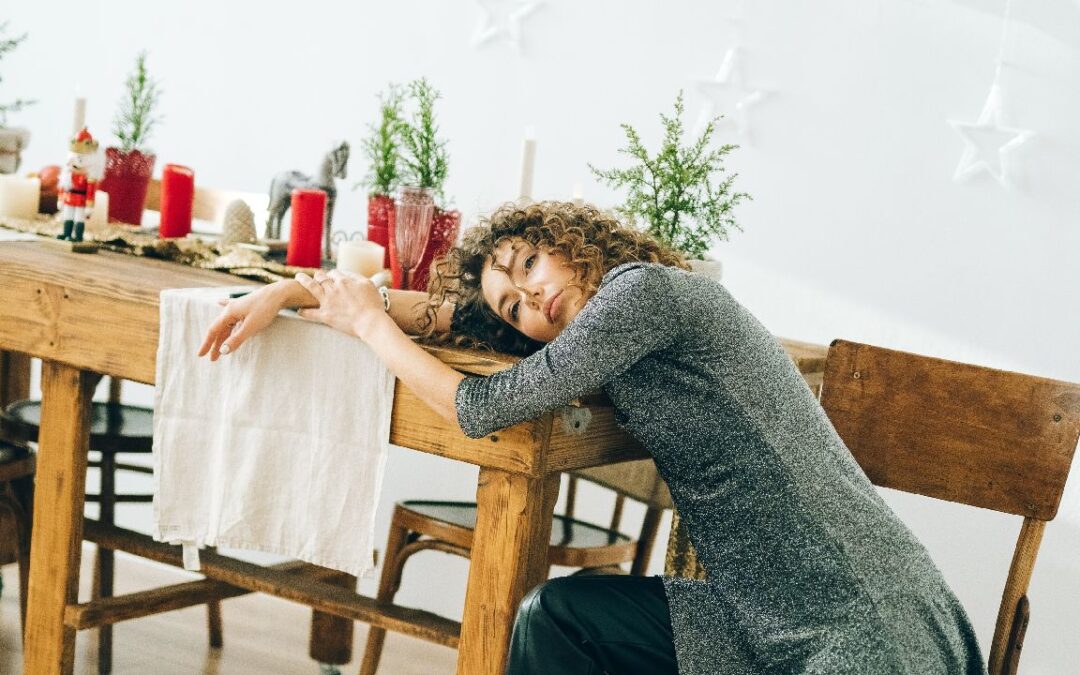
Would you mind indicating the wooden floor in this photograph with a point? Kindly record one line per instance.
(263, 635)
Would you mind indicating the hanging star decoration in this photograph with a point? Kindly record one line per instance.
(729, 92)
(988, 141)
(502, 21)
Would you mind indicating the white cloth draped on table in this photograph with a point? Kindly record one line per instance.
(278, 447)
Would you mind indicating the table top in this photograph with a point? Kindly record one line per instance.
(54, 299)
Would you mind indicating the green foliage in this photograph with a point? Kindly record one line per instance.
(424, 158)
(7, 45)
(383, 146)
(135, 119)
(682, 195)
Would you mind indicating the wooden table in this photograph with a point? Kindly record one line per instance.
(98, 313)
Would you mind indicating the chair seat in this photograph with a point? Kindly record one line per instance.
(114, 427)
(565, 532)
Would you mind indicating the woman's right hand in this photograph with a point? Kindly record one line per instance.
(240, 319)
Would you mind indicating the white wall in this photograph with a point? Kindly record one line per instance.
(857, 228)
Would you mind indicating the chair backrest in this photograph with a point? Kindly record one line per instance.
(638, 480)
(963, 433)
(210, 204)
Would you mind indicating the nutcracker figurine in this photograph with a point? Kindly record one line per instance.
(77, 186)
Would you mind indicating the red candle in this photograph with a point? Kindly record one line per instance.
(177, 198)
(305, 232)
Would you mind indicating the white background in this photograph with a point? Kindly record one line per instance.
(856, 229)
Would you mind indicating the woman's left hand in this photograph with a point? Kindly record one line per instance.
(347, 302)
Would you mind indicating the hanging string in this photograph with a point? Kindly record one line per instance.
(1000, 62)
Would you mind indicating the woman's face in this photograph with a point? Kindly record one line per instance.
(530, 289)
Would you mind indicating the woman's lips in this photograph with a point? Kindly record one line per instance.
(553, 305)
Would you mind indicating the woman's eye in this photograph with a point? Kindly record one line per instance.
(514, 310)
(529, 262)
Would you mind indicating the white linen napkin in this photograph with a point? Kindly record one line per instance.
(278, 447)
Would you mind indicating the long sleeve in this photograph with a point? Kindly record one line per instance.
(634, 313)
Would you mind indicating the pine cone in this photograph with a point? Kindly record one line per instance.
(239, 224)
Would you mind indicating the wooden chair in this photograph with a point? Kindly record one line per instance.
(16, 502)
(448, 526)
(962, 433)
(116, 429)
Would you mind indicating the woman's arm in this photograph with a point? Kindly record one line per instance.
(245, 316)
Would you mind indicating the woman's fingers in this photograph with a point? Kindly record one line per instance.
(217, 332)
(311, 285)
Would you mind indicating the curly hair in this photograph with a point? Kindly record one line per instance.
(592, 240)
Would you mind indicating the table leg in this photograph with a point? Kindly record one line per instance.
(509, 557)
(332, 636)
(58, 517)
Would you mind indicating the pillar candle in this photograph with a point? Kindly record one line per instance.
(99, 218)
(305, 232)
(362, 257)
(79, 120)
(19, 196)
(528, 161)
(177, 198)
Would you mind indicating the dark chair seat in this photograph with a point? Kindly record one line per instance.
(565, 531)
(114, 427)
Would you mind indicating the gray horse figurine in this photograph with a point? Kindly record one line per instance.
(333, 166)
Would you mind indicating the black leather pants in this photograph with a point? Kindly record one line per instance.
(588, 625)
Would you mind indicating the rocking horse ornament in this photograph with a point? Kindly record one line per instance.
(333, 166)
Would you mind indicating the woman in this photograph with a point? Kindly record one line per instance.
(809, 570)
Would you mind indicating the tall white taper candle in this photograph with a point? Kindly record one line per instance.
(79, 120)
(528, 162)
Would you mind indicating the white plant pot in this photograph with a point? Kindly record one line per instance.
(711, 268)
(13, 140)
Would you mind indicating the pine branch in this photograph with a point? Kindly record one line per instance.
(383, 146)
(8, 45)
(682, 195)
(135, 120)
(425, 158)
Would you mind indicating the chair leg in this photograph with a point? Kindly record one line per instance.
(389, 582)
(646, 541)
(104, 568)
(24, 496)
(213, 622)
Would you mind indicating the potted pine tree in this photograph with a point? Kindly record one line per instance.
(424, 163)
(382, 149)
(13, 140)
(683, 195)
(128, 167)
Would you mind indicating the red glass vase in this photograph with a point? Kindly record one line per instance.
(444, 233)
(127, 175)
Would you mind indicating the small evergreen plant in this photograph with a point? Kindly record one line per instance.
(424, 157)
(136, 120)
(7, 45)
(683, 196)
(383, 146)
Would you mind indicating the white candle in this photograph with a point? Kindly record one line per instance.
(19, 196)
(528, 161)
(362, 257)
(80, 115)
(578, 198)
(99, 218)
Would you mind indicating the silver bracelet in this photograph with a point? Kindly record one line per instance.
(385, 293)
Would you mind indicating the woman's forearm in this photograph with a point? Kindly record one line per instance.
(434, 382)
(407, 308)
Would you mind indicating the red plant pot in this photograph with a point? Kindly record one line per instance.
(127, 175)
(380, 230)
(444, 232)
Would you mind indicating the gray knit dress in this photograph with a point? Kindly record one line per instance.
(809, 570)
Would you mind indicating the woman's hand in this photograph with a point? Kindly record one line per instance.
(240, 319)
(348, 302)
